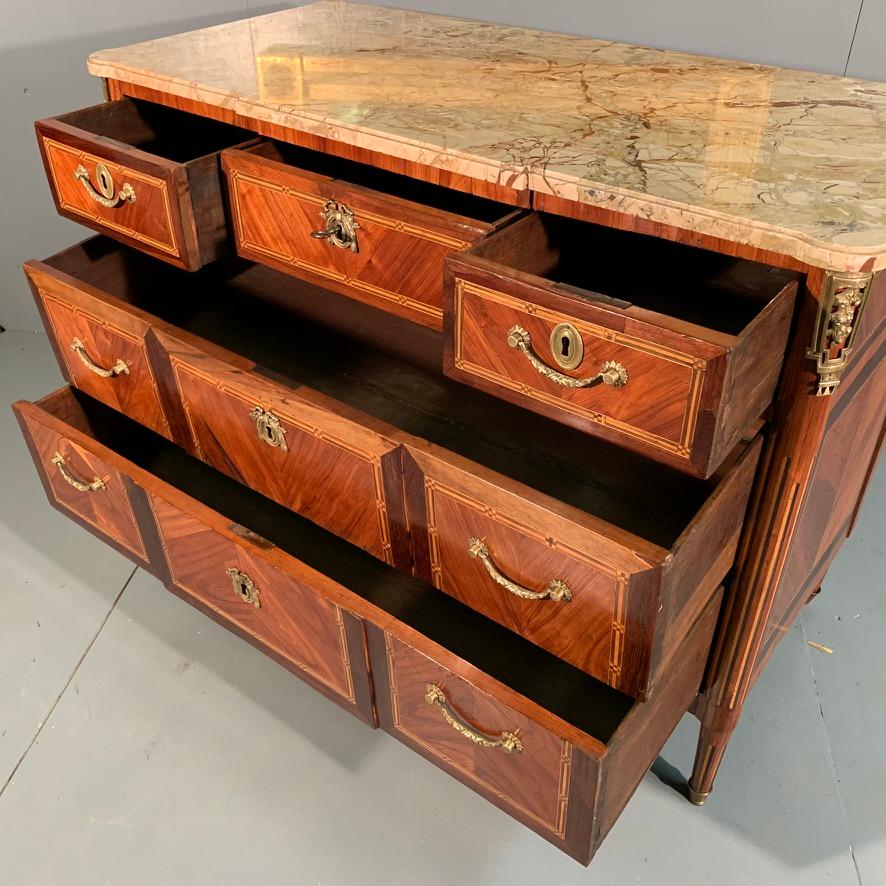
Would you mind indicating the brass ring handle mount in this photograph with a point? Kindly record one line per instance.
(80, 485)
(105, 192)
(339, 226)
(121, 367)
(611, 373)
(244, 587)
(556, 590)
(508, 741)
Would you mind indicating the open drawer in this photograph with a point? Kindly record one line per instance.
(143, 173)
(667, 349)
(374, 235)
(553, 747)
(338, 412)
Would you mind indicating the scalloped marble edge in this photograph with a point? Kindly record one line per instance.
(782, 241)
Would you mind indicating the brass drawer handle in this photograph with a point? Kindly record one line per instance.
(80, 485)
(339, 226)
(611, 373)
(244, 587)
(556, 589)
(121, 367)
(106, 193)
(268, 428)
(508, 741)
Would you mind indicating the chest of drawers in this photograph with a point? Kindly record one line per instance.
(492, 458)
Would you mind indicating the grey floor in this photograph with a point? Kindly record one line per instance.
(142, 744)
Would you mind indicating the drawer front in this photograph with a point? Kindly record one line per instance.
(93, 184)
(658, 406)
(81, 484)
(103, 351)
(586, 599)
(281, 612)
(489, 746)
(318, 463)
(398, 261)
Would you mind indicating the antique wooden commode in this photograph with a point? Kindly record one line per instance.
(467, 370)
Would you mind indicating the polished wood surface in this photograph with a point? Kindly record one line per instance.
(108, 335)
(176, 211)
(569, 795)
(107, 511)
(818, 459)
(289, 616)
(277, 201)
(331, 468)
(637, 579)
(697, 375)
(628, 595)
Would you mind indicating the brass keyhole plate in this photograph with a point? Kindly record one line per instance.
(104, 181)
(567, 346)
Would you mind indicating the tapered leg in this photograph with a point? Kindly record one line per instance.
(708, 756)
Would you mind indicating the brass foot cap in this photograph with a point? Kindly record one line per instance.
(697, 798)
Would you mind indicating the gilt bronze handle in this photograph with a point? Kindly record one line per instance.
(121, 367)
(106, 192)
(80, 485)
(508, 741)
(244, 587)
(611, 373)
(556, 589)
(339, 226)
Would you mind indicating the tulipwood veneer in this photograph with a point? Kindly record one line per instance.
(411, 467)
(581, 747)
(142, 173)
(400, 229)
(696, 339)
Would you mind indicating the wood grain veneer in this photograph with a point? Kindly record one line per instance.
(640, 548)
(170, 160)
(701, 337)
(277, 196)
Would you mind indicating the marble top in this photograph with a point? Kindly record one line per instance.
(785, 160)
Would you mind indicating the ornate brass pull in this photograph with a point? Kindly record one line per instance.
(507, 741)
(106, 193)
(268, 428)
(244, 587)
(556, 589)
(80, 485)
(611, 373)
(121, 367)
(339, 226)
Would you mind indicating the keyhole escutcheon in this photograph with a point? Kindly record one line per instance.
(567, 347)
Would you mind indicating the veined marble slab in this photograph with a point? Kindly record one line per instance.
(786, 160)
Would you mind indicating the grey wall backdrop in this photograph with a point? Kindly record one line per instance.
(44, 45)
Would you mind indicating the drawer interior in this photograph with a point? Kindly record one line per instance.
(165, 132)
(590, 261)
(580, 700)
(389, 368)
(389, 183)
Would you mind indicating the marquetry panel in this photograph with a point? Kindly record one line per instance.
(659, 406)
(290, 618)
(329, 471)
(147, 220)
(105, 344)
(107, 509)
(399, 264)
(534, 782)
(587, 631)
